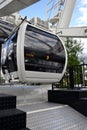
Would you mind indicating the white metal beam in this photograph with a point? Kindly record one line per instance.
(67, 13)
(8, 7)
(78, 32)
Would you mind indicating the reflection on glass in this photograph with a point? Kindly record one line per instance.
(8, 58)
(43, 51)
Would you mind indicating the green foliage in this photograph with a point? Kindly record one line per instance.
(74, 49)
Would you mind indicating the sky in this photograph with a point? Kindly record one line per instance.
(79, 16)
(36, 10)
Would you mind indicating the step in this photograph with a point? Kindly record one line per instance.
(54, 117)
(66, 96)
(12, 119)
(7, 101)
(77, 99)
(80, 106)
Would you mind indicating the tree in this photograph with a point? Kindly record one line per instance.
(74, 49)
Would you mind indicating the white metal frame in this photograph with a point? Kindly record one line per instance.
(7, 7)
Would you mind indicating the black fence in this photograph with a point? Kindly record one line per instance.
(75, 77)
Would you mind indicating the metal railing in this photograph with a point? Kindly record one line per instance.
(75, 77)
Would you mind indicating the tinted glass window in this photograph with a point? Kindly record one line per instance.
(8, 58)
(43, 51)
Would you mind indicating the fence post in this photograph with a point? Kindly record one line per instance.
(71, 77)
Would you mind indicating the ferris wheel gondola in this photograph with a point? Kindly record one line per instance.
(32, 55)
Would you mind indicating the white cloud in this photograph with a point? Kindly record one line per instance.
(84, 45)
(82, 20)
(84, 2)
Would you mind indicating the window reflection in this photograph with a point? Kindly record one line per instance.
(8, 60)
(43, 51)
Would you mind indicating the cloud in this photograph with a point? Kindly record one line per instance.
(82, 20)
(82, 10)
(83, 2)
(84, 45)
(83, 17)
